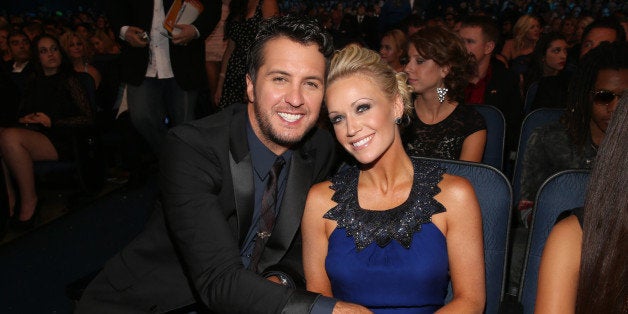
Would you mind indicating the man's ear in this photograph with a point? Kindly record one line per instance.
(250, 88)
(489, 47)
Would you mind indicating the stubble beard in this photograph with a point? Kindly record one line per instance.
(266, 127)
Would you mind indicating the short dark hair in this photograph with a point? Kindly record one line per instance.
(488, 26)
(15, 33)
(301, 29)
(609, 23)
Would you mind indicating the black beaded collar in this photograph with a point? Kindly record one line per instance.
(399, 223)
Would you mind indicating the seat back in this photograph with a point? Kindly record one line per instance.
(530, 94)
(495, 135)
(533, 120)
(560, 192)
(495, 196)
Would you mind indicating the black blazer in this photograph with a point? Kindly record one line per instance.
(189, 250)
(188, 62)
(502, 91)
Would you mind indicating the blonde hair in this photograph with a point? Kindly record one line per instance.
(354, 59)
(521, 28)
(401, 42)
(65, 40)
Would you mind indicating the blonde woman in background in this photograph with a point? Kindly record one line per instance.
(79, 53)
(394, 49)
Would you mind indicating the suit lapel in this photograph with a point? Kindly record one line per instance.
(291, 210)
(241, 173)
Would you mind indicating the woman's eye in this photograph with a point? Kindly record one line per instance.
(363, 107)
(335, 119)
(419, 60)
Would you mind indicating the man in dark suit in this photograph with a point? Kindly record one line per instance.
(163, 71)
(200, 246)
(494, 84)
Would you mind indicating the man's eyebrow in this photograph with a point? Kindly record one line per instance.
(282, 72)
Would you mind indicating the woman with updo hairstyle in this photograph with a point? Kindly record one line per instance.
(438, 69)
(389, 231)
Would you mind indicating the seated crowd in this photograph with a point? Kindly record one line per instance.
(60, 75)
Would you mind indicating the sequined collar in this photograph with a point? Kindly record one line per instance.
(399, 223)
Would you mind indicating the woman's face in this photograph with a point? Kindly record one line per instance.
(49, 55)
(98, 45)
(76, 48)
(363, 117)
(535, 30)
(555, 57)
(389, 51)
(423, 74)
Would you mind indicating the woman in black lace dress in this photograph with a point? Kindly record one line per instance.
(438, 70)
(55, 103)
(240, 29)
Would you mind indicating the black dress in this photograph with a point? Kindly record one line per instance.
(64, 100)
(243, 33)
(443, 139)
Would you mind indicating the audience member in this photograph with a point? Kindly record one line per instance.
(208, 241)
(75, 47)
(20, 67)
(389, 232)
(33, 29)
(163, 74)
(393, 49)
(54, 105)
(573, 142)
(215, 46)
(362, 28)
(5, 54)
(103, 44)
(240, 28)
(547, 69)
(600, 31)
(439, 68)
(517, 51)
(583, 266)
(493, 84)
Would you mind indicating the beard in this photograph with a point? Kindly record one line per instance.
(288, 138)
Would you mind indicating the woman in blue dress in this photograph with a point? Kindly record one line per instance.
(391, 231)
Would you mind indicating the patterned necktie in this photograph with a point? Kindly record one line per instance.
(267, 213)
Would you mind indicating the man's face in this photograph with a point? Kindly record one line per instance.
(615, 81)
(285, 99)
(19, 46)
(595, 37)
(476, 43)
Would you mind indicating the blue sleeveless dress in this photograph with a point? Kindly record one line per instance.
(392, 261)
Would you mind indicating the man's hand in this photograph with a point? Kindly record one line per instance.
(345, 307)
(186, 34)
(134, 37)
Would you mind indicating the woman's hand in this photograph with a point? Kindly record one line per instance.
(37, 117)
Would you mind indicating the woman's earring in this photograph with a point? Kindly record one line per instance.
(442, 92)
(398, 121)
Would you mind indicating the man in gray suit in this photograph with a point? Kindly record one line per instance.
(199, 246)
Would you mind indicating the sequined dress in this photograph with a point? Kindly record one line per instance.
(391, 261)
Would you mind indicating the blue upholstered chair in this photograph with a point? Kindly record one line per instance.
(495, 134)
(495, 196)
(560, 192)
(535, 119)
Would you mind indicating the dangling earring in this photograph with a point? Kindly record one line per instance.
(442, 92)
(398, 121)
